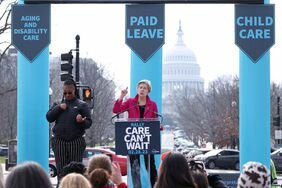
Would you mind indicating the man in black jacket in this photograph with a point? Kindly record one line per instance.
(71, 117)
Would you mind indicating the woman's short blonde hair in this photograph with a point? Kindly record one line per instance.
(74, 180)
(147, 82)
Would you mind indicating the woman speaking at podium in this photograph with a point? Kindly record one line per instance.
(141, 106)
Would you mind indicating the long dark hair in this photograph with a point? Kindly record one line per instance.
(200, 178)
(28, 175)
(175, 173)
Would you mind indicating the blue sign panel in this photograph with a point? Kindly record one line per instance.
(30, 29)
(145, 29)
(254, 29)
(137, 137)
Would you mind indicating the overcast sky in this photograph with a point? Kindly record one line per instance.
(208, 32)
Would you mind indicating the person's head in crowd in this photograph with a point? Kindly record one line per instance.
(99, 170)
(254, 174)
(199, 173)
(74, 180)
(69, 89)
(100, 161)
(144, 88)
(99, 178)
(175, 172)
(200, 179)
(28, 175)
(74, 167)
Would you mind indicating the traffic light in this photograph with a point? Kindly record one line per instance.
(66, 67)
(87, 94)
(276, 121)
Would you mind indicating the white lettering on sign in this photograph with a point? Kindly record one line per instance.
(137, 138)
(145, 33)
(30, 30)
(30, 18)
(254, 21)
(143, 20)
(144, 29)
(255, 34)
(255, 27)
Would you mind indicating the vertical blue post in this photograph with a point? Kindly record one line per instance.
(255, 109)
(150, 70)
(32, 105)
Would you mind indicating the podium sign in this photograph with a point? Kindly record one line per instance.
(137, 137)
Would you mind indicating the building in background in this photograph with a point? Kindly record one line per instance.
(180, 71)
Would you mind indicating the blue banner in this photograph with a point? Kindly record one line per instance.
(145, 29)
(31, 29)
(254, 29)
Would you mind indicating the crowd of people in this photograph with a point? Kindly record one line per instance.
(175, 171)
(101, 173)
(72, 117)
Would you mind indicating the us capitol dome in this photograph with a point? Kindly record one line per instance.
(180, 69)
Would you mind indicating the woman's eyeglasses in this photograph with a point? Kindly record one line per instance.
(67, 93)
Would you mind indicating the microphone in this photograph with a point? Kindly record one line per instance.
(63, 99)
(156, 113)
(117, 115)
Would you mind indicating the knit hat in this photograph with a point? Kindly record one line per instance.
(254, 175)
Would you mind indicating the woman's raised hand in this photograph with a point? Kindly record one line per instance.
(123, 93)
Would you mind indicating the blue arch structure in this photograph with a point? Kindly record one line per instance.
(32, 99)
(32, 105)
(33, 86)
(254, 107)
(151, 70)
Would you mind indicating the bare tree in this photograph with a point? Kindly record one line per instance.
(8, 96)
(94, 76)
(104, 89)
(224, 94)
(5, 25)
(276, 91)
(210, 115)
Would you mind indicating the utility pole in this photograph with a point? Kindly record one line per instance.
(278, 118)
(66, 68)
(278, 106)
(77, 38)
(276, 124)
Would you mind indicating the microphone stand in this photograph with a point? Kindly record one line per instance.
(117, 115)
(157, 114)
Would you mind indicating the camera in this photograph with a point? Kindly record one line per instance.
(197, 165)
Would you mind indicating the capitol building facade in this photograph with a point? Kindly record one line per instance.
(181, 72)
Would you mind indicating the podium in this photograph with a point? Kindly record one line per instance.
(140, 140)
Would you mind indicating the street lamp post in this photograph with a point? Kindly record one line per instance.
(50, 94)
(235, 119)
